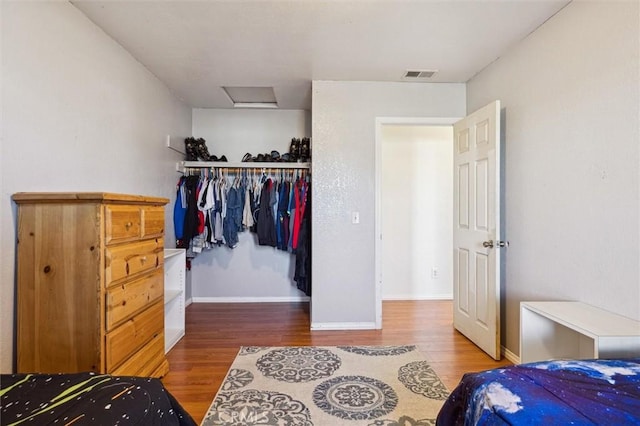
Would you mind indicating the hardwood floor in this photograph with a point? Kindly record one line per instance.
(215, 332)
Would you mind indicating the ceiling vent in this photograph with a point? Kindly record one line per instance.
(416, 75)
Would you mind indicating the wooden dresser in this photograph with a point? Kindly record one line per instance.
(90, 283)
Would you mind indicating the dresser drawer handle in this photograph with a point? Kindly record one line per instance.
(128, 225)
(143, 259)
(127, 268)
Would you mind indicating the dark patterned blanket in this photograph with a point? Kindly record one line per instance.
(87, 398)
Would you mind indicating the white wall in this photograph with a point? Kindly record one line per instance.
(234, 132)
(344, 116)
(571, 99)
(416, 211)
(79, 114)
(248, 272)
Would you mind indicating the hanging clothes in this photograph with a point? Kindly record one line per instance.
(206, 202)
(179, 212)
(283, 216)
(302, 275)
(266, 226)
(292, 215)
(211, 210)
(300, 194)
(218, 213)
(233, 217)
(247, 212)
(200, 227)
(191, 214)
(255, 204)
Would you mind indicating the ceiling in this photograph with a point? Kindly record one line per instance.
(197, 47)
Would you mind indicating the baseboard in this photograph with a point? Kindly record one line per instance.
(188, 302)
(448, 296)
(343, 326)
(250, 299)
(510, 355)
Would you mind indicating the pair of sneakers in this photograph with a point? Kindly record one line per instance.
(274, 156)
(196, 149)
(191, 146)
(300, 150)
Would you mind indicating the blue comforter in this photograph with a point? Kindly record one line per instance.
(566, 392)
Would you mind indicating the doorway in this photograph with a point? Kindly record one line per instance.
(414, 202)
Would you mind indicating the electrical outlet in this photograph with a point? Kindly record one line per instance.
(435, 274)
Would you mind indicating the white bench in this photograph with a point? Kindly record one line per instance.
(575, 330)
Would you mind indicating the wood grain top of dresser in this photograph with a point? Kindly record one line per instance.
(90, 283)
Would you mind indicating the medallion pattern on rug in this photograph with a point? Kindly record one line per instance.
(256, 407)
(237, 378)
(378, 350)
(420, 378)
(250, 350)
(328, 386)
(355, 397)
(404, 421)
(298, 364)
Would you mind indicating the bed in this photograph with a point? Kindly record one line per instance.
(562, 392)
(87, 398)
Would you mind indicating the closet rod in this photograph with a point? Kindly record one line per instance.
(181, 166)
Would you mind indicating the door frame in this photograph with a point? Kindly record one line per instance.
(381, 121)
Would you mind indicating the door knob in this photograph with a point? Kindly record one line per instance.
(490, 244)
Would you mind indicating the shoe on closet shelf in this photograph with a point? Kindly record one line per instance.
(190, 147)
(202, 150)
(275, 156)
(294, 149)
(305, 150)
(248, 158)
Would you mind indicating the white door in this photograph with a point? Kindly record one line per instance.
(476, 228)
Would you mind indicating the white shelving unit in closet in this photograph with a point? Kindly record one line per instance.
(174, 296)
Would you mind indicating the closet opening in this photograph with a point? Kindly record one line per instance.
(414, 210)
(250, 223)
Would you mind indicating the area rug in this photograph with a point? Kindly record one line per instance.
(328, 385)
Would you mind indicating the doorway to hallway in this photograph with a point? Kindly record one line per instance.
(414, 189)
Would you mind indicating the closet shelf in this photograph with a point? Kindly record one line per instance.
(181, 166)
(173, 335)
(169, 295)
(172, 252)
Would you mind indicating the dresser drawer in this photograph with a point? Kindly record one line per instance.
(145, 361)
(134, 334)
(153, 221)
(130, 259)
(123, 223)
(128, 298)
